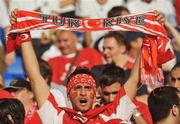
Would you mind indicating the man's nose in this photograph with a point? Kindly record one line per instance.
(111, 98)
(105, 51)
(83, 92)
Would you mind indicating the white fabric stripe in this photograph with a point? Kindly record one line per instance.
(123, 111)
(148, 31)
(27, 18)
(152, 31)
(152, 22)
(26, 28)
(139, 29)
(48, 114)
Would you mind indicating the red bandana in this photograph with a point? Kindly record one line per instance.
(81, 78)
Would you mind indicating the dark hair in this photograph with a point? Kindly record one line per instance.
(112, 74)
(45, 70)
(117, 11)
(117, 36)
(160, 102)
(177, 65)
(80, 70)
(13, 108)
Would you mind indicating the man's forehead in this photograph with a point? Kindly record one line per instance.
(82, 84)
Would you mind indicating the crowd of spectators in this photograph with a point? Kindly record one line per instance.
(45, 90)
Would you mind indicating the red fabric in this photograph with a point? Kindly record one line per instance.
(129, 64)
(81, 78)
(177, 3)
(143, 22)
(5, 94)
(31, 116)
(115, 121)
(84, 59)
(91, 117)
(151, 72)
(144, 110)
(15, 39)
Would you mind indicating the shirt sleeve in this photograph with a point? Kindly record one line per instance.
(50, 113)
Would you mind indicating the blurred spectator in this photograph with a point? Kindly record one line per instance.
(115, 50)
(1, 82)
(53, 50)
(175, 76)
(45, 70)
(94, 9)
(4, 18)
(118, 11)
(177, 3)
(145, 5)
(163, 103)
(65, 8)
(12, 111)
(22, 90)
(111, 81)
(44, 43)
(71, 56)
(59, 91)
(5, 94)
(134, 41)
(2, 61)
(25, 5)
(115, 11)
(174, 34)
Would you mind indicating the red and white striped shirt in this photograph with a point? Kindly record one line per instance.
(121, 108)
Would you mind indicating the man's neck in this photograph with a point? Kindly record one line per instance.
(28, 106)
(166, 121)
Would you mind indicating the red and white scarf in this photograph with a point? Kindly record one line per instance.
(155, 50)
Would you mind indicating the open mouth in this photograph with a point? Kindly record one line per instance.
(83, 101)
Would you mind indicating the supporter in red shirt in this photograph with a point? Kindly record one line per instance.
(21, 89)
(5, 94)
(67, 43)
(81, 92)
(114, 50)
(111, 80)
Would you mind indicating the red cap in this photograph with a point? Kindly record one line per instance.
(5, 94)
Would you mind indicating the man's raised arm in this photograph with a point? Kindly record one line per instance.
(132, 83)
(39, 86)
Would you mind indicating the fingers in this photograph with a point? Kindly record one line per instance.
(13, 16)
(160, 17)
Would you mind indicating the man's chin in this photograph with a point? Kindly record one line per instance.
(84, 109)
(109, 61)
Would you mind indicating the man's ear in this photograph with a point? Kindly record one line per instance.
(122, 49)
(175, 110)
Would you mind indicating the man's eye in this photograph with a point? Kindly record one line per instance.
(77, 87)
(178, 79)
(88, 88)
(173, 79)
(106, 93)
(115, 92)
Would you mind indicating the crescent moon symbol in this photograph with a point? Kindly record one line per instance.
(86, 24)
(25, 36)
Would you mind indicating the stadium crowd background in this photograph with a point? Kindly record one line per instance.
(47, 44)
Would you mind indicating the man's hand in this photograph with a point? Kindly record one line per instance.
(160, 17)
(13, 16)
